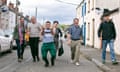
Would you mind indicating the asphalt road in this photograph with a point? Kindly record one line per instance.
(8, 63)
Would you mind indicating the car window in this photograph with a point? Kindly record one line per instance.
(6, 32)
(1, 32)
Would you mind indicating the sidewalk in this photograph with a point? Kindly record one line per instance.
(94, 55)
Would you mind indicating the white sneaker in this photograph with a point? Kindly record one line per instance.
(77, 63)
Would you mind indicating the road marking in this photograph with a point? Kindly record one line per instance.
(13, 64)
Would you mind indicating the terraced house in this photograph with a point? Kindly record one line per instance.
(89, 12)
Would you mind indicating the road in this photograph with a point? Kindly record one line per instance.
(8, 63)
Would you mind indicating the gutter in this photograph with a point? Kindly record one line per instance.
(115, 10)
(80, 4)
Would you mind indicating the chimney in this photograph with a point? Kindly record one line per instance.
(4, 2)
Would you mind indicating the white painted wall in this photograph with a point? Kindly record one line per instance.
(4, 20)
(116, 20)
(111, 4)
(12, 20)
(97, 24)
(79, 15)
(7, 21)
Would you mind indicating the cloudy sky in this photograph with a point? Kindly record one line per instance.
(50, 9)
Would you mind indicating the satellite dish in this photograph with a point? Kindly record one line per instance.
(99, 11)
(4, 8)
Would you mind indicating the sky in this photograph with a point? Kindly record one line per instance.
(50, 10)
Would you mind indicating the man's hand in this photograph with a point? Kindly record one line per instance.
(69, 42)
(68, 39)
(100, 38)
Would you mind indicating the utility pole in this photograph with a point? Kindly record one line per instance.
(17, 10)
(36, 9)
(43, 20)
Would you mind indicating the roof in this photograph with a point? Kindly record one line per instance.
(80, 4)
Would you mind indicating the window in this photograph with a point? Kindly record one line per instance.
(88, 31)
(93, 2)
(84, 9)
(88, 6)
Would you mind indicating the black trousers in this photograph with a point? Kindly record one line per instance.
(34, 45)
(56, 41)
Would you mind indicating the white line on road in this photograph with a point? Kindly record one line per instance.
(13, 64)
(6, 67)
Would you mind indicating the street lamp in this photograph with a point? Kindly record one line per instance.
(36, 10)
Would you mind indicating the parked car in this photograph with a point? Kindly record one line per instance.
(6, 41)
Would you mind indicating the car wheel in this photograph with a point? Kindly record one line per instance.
(0, 51)
(11, 47)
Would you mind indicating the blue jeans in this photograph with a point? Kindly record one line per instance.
(111, 46)
(20, 48)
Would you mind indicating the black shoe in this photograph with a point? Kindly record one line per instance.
(19, 60)
(34, 60)
(38, 59)
(52, 62)
(21, 57)
(115, 63)
(46, 62)
(46, 65)
(103, 62)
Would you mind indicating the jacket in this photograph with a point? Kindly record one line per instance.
(58, 31)
(16, 32)
(107, 30)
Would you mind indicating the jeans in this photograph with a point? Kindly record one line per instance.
(20, 48)
(111, 46)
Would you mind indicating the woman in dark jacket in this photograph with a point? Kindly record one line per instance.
(18, 36)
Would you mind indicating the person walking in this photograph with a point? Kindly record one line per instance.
(18, 36)
(108, 32)
(48, 44)
(58, 33)
(74, 40)
(34, 29)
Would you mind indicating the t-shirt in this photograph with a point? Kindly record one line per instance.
(75, 32)
(34, 29)
(48, 37)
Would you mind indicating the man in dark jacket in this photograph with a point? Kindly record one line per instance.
(58, 33)
(107, 33)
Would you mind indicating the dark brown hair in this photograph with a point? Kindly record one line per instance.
(48, 22)
(22, 17)
(75, 19)
(55, 22)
